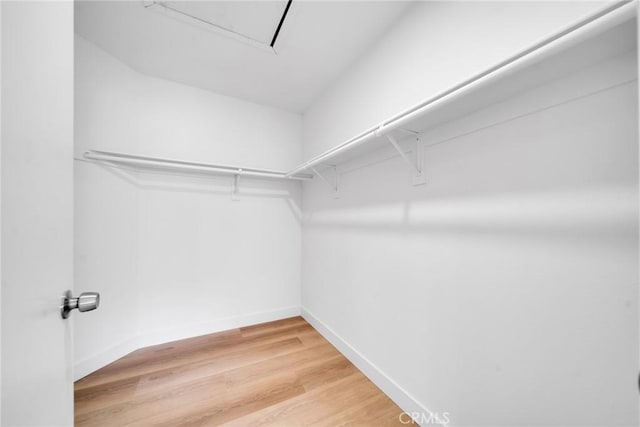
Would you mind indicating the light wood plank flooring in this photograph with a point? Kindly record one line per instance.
(280, 373)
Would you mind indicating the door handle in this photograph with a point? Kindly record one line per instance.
(87, 301)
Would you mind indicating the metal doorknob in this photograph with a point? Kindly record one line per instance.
(87, 301)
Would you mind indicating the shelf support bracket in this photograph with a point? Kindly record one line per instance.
(418, 175)
(235, 188)
(332, 183)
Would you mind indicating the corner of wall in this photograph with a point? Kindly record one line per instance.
(393, 390)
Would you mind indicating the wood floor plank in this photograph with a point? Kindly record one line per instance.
(176, 376)
(270, 327)
(311, 407)
(278, 373)
(184, 354)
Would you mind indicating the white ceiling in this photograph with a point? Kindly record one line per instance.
(318, 41)
(257, 20)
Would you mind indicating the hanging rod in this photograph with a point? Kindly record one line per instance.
(216, 169)
(592, 25)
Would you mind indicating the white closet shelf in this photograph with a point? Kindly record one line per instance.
(157, 163)
(605, 34)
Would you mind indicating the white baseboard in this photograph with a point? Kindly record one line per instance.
(161, 336)
(396, 393)
(86, 366)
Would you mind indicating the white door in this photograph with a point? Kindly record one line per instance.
(36, 211)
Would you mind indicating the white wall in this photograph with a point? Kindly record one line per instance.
(434, 46)
(504, 291)
(37, 213)
(172, 255)
(0, 204)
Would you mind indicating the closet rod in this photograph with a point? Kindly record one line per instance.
(162, 163)
(595, 24)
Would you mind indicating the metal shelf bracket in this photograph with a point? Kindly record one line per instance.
(235, 187)
(332, 181)
(418, 175)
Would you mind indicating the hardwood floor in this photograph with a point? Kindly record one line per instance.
(280, 373)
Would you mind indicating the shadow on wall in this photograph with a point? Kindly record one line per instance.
(538, 173)
(176, 182)
(603, 214)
